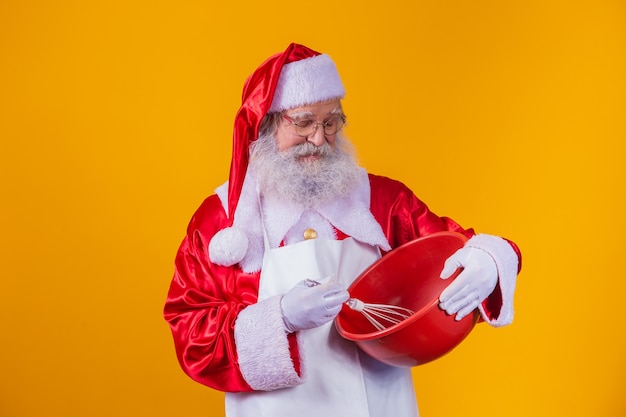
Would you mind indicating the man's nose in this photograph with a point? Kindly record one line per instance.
(317, 138)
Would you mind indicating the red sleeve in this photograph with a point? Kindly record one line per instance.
(404, 217)
(203, 302)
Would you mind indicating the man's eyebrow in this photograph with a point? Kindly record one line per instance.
(301, 114)
(309, 114)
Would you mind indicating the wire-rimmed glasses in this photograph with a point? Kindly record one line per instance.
(307, 127)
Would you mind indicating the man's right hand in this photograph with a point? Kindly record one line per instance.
(310, 304)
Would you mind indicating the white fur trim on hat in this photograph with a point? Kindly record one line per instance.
(307, 81)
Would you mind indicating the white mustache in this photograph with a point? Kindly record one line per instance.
(309, 149)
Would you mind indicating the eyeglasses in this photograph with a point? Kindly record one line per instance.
(306, 127)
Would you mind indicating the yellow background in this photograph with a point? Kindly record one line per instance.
(115, 123)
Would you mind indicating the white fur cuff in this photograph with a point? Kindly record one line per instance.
(507, 264)
(262, 347)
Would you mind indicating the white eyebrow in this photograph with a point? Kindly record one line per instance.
(301, 114)
(309, 114)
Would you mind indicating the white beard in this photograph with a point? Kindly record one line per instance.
(307, 182)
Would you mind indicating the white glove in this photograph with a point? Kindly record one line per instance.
(476, 281)
(310, 304)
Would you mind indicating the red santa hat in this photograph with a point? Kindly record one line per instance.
(296, 77)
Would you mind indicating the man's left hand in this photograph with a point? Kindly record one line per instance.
(476, 281)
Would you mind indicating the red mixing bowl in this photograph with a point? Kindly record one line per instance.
(408, 276)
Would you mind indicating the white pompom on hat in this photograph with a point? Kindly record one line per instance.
(296, 77)
(228, 246)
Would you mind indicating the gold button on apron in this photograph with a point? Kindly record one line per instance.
(310, 234)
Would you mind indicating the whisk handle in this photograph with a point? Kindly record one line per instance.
(355, 304)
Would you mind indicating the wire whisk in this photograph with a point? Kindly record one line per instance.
(380, 316)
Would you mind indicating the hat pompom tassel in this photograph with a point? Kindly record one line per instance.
(228, 246)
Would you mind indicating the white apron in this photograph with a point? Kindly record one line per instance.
(339, 380)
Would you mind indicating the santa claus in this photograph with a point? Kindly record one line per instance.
(298, 207)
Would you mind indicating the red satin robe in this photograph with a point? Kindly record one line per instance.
(204, 299)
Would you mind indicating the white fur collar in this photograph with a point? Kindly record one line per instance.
(286, 222)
